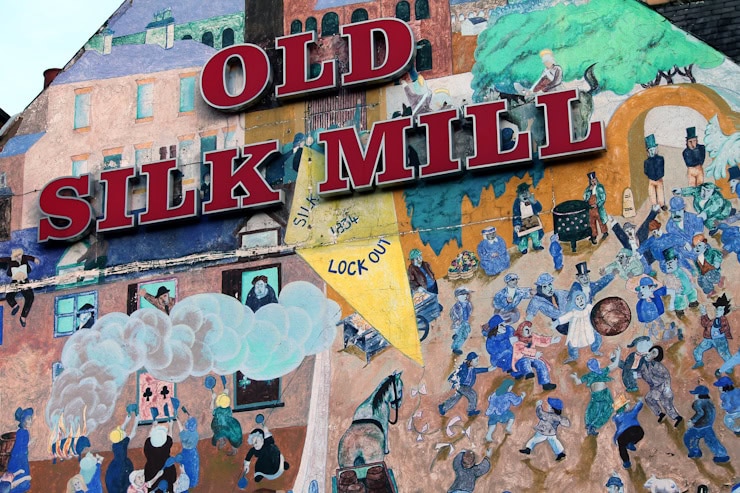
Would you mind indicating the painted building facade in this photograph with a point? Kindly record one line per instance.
(418, 338)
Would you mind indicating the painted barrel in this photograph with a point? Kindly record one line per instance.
(7, 440)
(572, 221)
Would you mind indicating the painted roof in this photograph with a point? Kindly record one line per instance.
(136, 59)
(141, 13)
(20, 144)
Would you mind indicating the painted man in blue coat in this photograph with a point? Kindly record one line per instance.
(492, 252)
(684, 225)
(694, 156)
(584, 283)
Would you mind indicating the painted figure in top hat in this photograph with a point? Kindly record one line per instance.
(527, 224)
(654, 169)
(595, 195)
(699, 427)
(716, 332)
(694, 156)
(494, 257)
(586, 285)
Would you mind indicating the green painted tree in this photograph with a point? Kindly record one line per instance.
(630, 43)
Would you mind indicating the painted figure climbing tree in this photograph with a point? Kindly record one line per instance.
(623, 41)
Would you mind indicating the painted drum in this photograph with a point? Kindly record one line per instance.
(611, 316)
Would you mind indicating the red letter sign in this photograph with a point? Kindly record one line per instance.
(160, 193)
(559, 127)
(215, 77)
(486, 137)
(296, 67)
(225, 180)
(400, 50)
(116, 199)
(343, 145)
(63, 199)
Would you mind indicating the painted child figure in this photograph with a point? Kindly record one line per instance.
(716, 332)
(556, 252)
(528, 360)
(678, 285)
(499, 339)
(460, 315)
(581, 332)
(650, 309)
(547, 428)
(499, 407)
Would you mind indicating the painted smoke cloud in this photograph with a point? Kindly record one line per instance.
(205, 333)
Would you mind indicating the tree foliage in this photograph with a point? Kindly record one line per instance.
(629, 42)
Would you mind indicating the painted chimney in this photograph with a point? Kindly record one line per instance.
(49, 75)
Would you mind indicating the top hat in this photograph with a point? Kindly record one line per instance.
(582, 268)
(734, 172)
(690, 133)
(591, 175)
(669, 254)
(650, 141)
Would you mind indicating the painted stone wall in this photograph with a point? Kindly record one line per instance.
(551, 325)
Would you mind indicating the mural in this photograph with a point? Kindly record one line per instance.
(376, 341)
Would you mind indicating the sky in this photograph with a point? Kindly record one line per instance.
(39, 34)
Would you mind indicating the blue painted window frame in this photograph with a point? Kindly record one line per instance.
(78, 299)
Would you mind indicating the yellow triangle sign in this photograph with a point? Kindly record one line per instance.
(353, 244)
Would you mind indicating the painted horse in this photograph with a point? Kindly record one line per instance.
(366, 439)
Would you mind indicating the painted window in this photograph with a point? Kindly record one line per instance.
(187, 94)
(255, 394)
(421, 9)
(187, 36)
(82, 109)
(296, 26)
(79, 167)
(143, 156)
(112, 162)
(207, 38)
(73, 312)
(330, 24)
(152, 295)
(311, 24)
(423, 55)
(144, 100)
(227, 37)
(207, 144)
(359, 15)
(5, 205)
(403, 11)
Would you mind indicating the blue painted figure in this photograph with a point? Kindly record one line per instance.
(121, 467)
(506, 302)
(499, 407)
(460, 315)
(19, 453)
(498, 342)
(588, 287)
(556, 252)
(699, 427)
(650, 308)
(190, 457)
(90, 469)
(493, 254)
(730, 398)
(629, 431)
(462, 382)
(553, 303)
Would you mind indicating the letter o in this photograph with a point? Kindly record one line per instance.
(257, 76)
